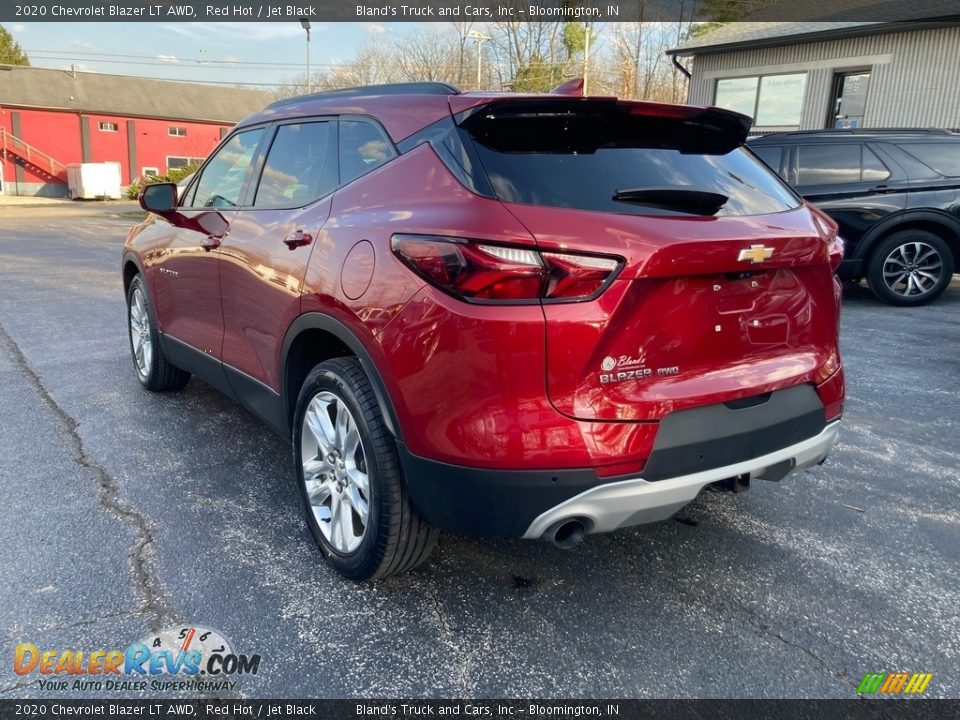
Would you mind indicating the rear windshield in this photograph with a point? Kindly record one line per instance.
(584, 159)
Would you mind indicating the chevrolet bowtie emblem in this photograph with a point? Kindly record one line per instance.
(755, 254)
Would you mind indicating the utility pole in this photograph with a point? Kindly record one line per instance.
(586, 58)
(305, 24)
(480, 38)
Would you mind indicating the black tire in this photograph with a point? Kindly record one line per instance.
(159, 374)
(901, 249)
(395, 538)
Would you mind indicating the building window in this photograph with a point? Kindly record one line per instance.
(738, 94)
(771, 100)
(177, 131)
(174, 162)
(108, 127)
(150, 171)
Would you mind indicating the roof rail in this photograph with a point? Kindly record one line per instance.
(866, 131)
(412, 88)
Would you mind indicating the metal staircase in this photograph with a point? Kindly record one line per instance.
(34, 160)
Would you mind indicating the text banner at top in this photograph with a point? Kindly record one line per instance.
(476, 10)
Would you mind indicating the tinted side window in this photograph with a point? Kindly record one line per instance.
(363, 147)
(223, 178)
(828, 164)
(944, 158)
(873, 169)
(770, 154)
(300, 166)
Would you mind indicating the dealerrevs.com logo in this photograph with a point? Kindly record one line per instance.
(181, 658)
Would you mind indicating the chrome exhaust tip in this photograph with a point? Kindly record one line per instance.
(566, 534)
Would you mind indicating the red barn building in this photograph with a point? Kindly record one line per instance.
(50, 118)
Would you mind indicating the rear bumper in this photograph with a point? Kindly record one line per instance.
(524, 503)
(637, 501)
(766, 435)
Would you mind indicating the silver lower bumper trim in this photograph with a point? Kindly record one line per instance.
(634, 502)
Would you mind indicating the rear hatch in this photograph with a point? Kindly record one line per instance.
(725, 289)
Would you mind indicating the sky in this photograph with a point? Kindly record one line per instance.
(254, 53)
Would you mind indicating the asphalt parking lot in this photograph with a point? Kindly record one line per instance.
(126, 512)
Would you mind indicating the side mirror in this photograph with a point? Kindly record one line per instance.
(159, 198)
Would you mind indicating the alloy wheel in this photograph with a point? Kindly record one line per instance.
(912, 269)
(335, 472)
(140, 333)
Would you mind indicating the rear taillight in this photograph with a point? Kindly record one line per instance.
(835, 250)
(827, 227)
(483, 272)
(573, 277)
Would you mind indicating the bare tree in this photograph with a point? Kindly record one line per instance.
(636, 61)
(516, 46)
(462, 29)
(428, 56)
(627, 59)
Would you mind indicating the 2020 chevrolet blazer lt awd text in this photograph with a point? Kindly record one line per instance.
(535, 316)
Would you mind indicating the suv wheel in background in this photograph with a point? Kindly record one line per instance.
(911, 267)
(349, 473)
(154, 371)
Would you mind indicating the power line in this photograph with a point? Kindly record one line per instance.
(239, 64)
(171, 65)
(224, 83)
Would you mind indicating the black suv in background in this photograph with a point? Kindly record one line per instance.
(895, 193)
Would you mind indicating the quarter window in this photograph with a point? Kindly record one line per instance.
(944, 158)
(224, 176)
(363, 147)
(300, 166)
(872, 169)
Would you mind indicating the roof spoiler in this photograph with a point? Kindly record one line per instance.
(625, 123)
(573, 88)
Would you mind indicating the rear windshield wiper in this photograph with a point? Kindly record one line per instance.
(698, 201)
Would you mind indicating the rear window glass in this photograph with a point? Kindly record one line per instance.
(943, 158)
(583, 159)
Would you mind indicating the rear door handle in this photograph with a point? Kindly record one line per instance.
(210, 242)
(298, 238)
(882, 189)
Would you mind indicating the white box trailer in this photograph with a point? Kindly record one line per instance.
(89, 181)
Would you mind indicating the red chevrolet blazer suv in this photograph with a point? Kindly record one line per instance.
(536, 316)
